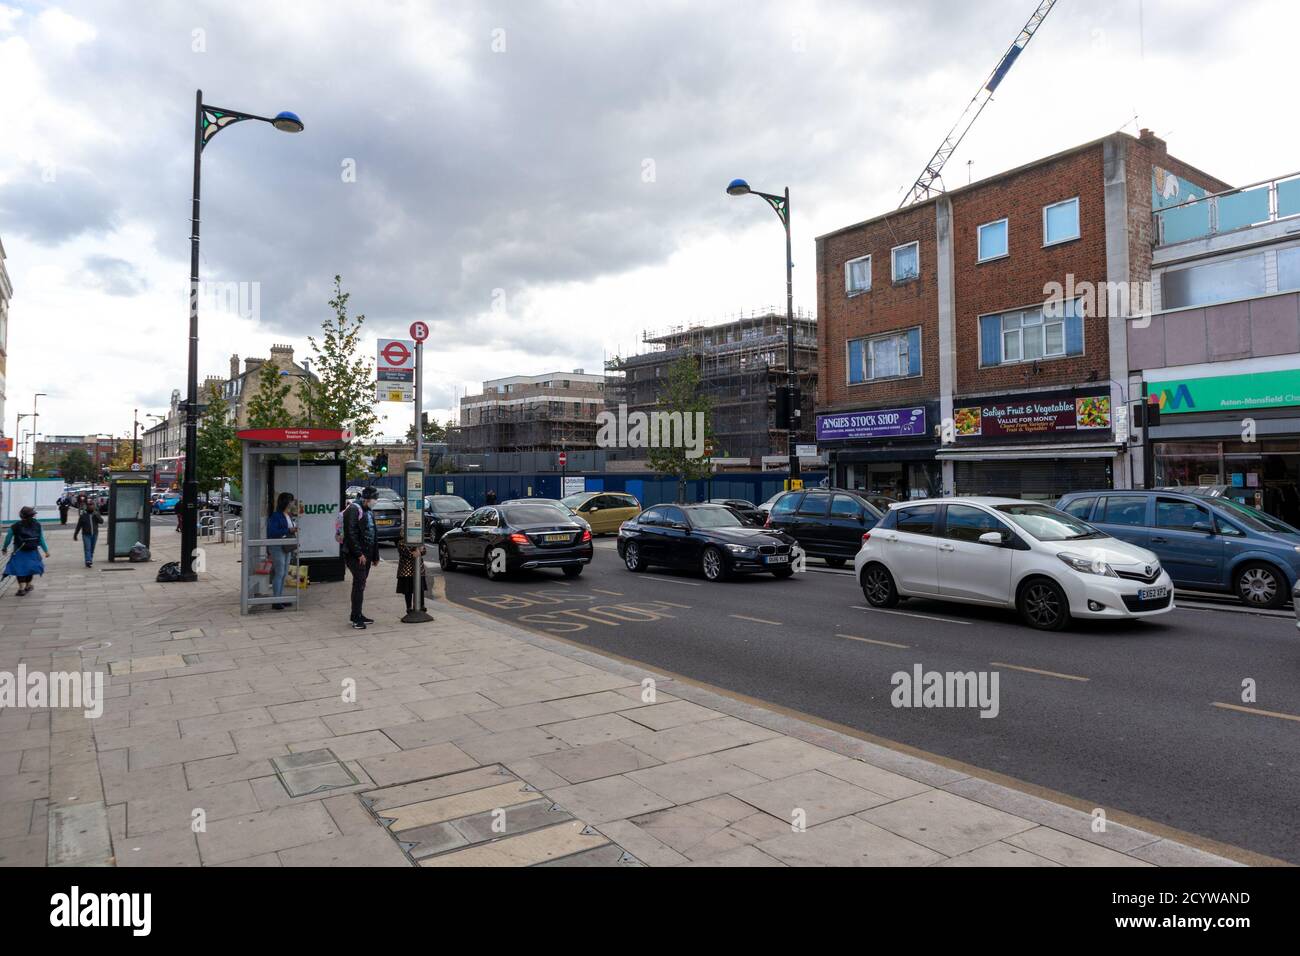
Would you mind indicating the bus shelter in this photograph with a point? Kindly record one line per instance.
(308, 464)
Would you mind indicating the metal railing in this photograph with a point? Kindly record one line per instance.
(1228, 211)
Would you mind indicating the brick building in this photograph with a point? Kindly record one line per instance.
(975, 342)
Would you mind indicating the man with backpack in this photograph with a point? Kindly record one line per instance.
(356, 531)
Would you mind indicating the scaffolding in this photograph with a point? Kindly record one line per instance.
(742, 361)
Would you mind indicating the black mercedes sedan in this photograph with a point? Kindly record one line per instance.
(516, 536)
(442, 513)
(706, 537)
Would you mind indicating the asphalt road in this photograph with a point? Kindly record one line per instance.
(1127, 716)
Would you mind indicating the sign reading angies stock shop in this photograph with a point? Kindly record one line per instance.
(885, 423)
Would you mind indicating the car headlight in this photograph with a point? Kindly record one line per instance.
(739, 549)
(1087, 565)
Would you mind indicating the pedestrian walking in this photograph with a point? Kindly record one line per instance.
(88, 522)
(65, 502)
(409, 558)
(28, 540)
(360, 550)
(281, 525)
(491, 497)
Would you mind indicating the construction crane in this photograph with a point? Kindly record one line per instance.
(930, 181)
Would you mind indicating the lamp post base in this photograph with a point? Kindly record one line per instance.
(417, 617)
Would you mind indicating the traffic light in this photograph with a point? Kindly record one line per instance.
(381, 463)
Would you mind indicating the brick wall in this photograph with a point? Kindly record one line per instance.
(887, 307)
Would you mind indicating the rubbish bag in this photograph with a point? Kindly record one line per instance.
(169, 573)
(139, 552)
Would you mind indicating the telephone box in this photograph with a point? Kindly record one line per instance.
(128, 512)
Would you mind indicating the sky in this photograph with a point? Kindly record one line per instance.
(541, 181)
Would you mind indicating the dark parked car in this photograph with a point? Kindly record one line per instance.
(1205, 543)
(765, 508)
(517, 536)
(705, 537)
(555, 503)
(827, 522)
(388, 510)
(442, 513)
(746, 511)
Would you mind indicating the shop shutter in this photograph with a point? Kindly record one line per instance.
(991, 340)
(1045, 479)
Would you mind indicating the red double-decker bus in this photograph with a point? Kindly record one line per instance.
(168, 473)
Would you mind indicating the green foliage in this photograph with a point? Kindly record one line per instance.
(343, 394)
(433, 432)
(266, 408)
(218, 448)
(681, 393)
(76, 466)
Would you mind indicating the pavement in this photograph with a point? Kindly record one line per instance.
(289, 739)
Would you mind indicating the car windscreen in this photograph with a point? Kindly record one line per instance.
(388, 494)
(714, 517)
(1048, 524)
(1252, 518)
(574, 500)
(521, 516)
(447, 503)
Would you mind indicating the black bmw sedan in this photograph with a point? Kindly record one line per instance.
(706, 537)
(516, 536)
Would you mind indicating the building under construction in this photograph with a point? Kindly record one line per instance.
(741, 361)
(530, 413)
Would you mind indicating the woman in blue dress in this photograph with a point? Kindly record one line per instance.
(28, 540)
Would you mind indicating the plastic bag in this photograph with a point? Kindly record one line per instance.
(139, 552)
(169, 573)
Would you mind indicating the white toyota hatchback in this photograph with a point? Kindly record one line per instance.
(1004, 552)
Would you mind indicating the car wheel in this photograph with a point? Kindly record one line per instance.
(834, 562)
(1260, 586)
(572, 570)
(714, 564)
(495, 557)
(1043, 605)
(444, 559)
(878, 586)
(632, 557)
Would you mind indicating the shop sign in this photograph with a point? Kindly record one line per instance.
(1228, 393)
(886, 423)
(1033, 415)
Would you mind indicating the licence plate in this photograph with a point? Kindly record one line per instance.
(384, 522)
(1151, 594)
(778, 559)
(555, 537)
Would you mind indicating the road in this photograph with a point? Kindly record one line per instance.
(1137, 717)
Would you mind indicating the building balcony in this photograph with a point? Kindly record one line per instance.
(1206, 217)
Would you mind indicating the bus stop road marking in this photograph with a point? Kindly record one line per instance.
(1035, 670)
(1254, 710)
(756, 620)
(867, 640)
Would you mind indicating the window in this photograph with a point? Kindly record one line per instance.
(1028, 335)
(965, 523)
(897, 355)
(842, 506)
(814, 504)
(786, 504)
(1288, 272)
(993, 240)
(1130, 510)
(1061, 222)
(1240, 278)
(1181, 515)
(673, 516)
(916, 520)
(906, 261)
(857, 275)
(1080, 507)
(652, 517)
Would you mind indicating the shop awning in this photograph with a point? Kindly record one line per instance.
(1036, 452)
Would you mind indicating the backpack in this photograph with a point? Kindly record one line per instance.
(26, 538)
(338, 522)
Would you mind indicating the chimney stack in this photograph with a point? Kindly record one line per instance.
(282, 356)
(234, 366)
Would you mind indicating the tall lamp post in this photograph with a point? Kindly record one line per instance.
(19, 449)
(781, 206)
(208, 121)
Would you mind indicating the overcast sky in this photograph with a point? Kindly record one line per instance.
(540, 181)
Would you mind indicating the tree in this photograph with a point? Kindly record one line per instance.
(681, 393)
(123, 455)
(218, 448)
(266, 408)
(76, 466)
(433, 432)
(343, 394)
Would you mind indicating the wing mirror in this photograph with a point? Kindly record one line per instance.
(993, 537)
(1203, 526)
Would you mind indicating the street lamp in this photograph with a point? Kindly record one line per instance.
(19, 450)
(781, 206)
(208, 121)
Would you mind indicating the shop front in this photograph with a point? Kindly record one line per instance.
(1236, 435)
(884, 451)
(1036, 445)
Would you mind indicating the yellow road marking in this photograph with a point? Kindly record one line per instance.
(603, 591)
(1253, 710)
(867, 640)
(1035, 670)
(756, 620)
